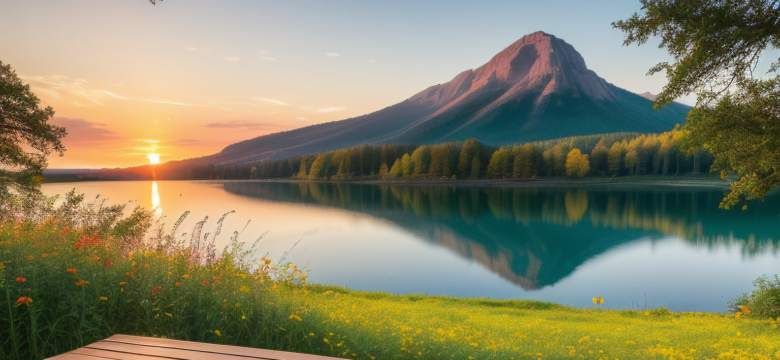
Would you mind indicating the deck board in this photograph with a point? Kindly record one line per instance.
(127, 347)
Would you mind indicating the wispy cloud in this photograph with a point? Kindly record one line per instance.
(300, 118)
(267, 58)
(231, 59)
(331, 54)
(164, 102)
(240, 125)
(329, 109)
(114, 95)
(272, 101)
(81, 131)
(197, 49)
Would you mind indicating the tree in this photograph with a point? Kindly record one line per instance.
(26, 136)
(577, 164)
(716, 46)
(598, 158)
(395, 170)
(500, 165)
(383, 171)
(421, 157)
(407, 166)
(475, 168)
(616, 156)
(471, 149)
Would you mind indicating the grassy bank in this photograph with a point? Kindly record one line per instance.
(78, 273)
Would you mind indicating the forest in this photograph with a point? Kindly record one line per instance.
(618, 154)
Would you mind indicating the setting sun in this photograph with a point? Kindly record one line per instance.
(154, 159)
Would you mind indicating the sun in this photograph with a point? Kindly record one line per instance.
(154, 159)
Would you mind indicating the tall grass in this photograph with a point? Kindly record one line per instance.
(73, 272)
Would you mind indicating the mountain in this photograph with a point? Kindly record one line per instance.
(536, 89)
(648, 95)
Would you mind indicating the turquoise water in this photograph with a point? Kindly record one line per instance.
(636, 248)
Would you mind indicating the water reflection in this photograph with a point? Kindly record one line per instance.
(156, 199)
(536, 237)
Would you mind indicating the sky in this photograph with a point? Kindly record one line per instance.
(184, 79)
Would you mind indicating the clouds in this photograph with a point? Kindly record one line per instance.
(78, 92)
(81, 131)
(329, 109)
(272, 101)
(248, 125)
(331, 54)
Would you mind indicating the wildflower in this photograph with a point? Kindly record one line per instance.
(55, 253)
(186, 276)
(326, 340)
(82, 282)
(745, 310)
(598, 300)
(238, 305)
(71, 271)
(177, 284)
(205, 283)
(103, 298)
(122, 283)
(64, 231)
(156, 290)
(21, 279)
(44, 255)
(244, 289)
(243, 317)
(169, 315)
(296, 317)
(107, 263)
(311, 334)
(96, 258)
(24, 300)
(30, 257)
(129, 273)
(218, 333)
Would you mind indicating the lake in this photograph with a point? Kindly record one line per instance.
(636, 248)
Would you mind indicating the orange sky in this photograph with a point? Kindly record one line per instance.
(186, 78)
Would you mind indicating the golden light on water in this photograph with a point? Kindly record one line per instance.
(156, 199)
(154, 159)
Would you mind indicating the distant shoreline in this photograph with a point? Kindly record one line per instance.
(703, 181)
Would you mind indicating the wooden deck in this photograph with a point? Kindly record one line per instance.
(126, 347)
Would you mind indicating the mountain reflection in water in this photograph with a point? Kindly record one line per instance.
(536, 237)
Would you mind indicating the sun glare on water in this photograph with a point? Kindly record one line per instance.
(154, 159)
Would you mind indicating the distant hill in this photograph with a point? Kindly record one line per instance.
(536, 89)
(648, 95)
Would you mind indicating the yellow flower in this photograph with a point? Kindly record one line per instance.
(296, 317)
(745, 310)
(185, 276)
(598, 300)
(103, 298)
(169, 314)
(218, 333)
(326, 340)
(244, 289)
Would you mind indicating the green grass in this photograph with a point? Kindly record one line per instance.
(122, 282)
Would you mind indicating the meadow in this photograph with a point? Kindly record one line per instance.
(73, 272)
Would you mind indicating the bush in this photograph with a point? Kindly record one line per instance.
(763, 301)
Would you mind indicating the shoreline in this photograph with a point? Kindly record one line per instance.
(704, 182)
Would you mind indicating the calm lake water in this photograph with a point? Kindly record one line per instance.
(668, 247)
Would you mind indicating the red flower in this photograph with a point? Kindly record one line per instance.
(107, 263)
(21, 279)
(71, 271)
(205, 283)
(156, 290)
(82, 282)
(178, 284)
(24, 300)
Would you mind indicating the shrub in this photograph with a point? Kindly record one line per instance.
(763, 301)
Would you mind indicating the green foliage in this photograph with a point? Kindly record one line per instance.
(716, 46)
(26, 136)
(421, 158)
(407, 166)
(500, 166)
(763, 302)
(471, 149)
(396, 171)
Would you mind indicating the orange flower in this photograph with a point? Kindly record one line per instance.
(178, 284)
(745, 310)
(44, 255)
(122, 283)
(71, 271)
(107, 263)
(156, 290)
(129, 273)
(64, 231)
(55, 253)
(24, 300)
(82, 282)
(205, 283)
(30, 257)
(96, 258)
(21, 279)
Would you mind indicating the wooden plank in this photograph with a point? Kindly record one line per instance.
(167, 352)
(114, 355)
(72, 356)
(214, 348)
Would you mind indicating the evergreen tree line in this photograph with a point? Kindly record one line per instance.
(619, 154)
